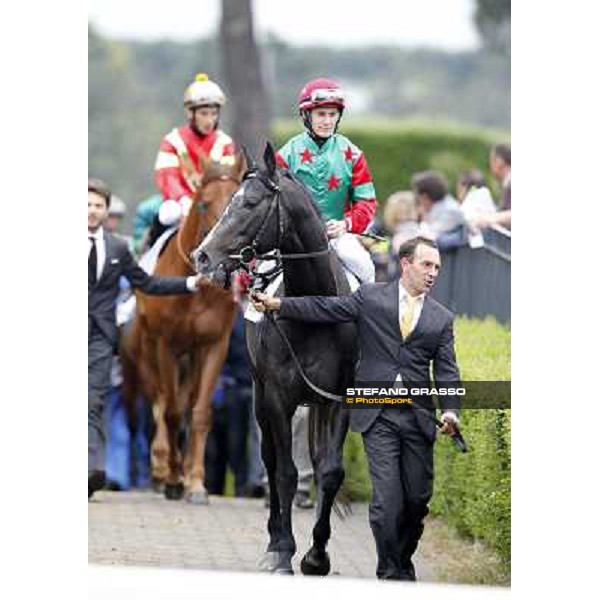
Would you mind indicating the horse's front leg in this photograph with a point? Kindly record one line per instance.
(149, 373)
(169, 376)
(329, 475)
(270, 560)
(206, 371)
(286, 479)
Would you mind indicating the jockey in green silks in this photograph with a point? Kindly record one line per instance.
(336, 173)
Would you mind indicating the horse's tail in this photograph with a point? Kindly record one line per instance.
(315, 431)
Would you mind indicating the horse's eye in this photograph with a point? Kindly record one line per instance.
(252, 200)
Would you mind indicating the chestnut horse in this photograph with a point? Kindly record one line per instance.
(176, 345)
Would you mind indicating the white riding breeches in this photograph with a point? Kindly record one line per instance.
(354, 257)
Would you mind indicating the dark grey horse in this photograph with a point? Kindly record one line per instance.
(273, 211)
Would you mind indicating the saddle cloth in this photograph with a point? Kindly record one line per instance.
(126, 307)
(150, 257)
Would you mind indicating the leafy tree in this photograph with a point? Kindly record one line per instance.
(492, 18)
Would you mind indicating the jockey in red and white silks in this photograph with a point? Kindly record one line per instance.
(178, 169)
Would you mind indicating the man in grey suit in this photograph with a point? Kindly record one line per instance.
(402, 331)
(108, 259)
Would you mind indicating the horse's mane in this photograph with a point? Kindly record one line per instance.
(216, 170)
(304, 191)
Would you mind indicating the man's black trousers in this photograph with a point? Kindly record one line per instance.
(401, 468)
(100, 354)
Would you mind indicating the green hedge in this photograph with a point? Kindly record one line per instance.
(397, 150)
(472, 491)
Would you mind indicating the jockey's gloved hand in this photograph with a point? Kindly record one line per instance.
(169, 212)
(336, 228)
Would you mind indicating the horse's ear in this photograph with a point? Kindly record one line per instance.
(269, 158)
(241, 163)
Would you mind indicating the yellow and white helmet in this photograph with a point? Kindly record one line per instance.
(203, 92)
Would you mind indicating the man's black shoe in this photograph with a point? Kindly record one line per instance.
(96, 481)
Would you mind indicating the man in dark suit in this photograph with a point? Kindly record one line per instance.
(402, 331)
(108, 260)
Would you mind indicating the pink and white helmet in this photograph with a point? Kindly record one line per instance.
(321, 92)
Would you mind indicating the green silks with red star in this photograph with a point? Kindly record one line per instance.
(337, 176)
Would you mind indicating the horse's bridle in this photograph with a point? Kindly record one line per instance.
(248, 254)
(201, 207)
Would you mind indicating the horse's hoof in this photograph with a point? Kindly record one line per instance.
(267, 562)
(198, 498)
(158, 486)
(279, 563)
(173, 491)
(315, 562)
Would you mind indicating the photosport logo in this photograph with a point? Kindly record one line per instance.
(463, 395)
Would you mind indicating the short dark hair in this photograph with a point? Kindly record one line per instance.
(99, 187)
(471, 178)
(408, 248)
(431, 183)
(503, 152)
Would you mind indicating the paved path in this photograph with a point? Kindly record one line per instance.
(145, 529)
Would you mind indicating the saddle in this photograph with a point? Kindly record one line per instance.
(150, 257)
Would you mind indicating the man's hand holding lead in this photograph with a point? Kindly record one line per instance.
(263, 303)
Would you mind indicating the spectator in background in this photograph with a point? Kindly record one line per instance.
(501, 170)
(466, 181)
(398, 224)
(475, 202)
(441, 216)
(400, 218)
(116, 214)
(232, 403)
(145, 214)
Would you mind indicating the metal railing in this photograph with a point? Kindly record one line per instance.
(475, 282)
